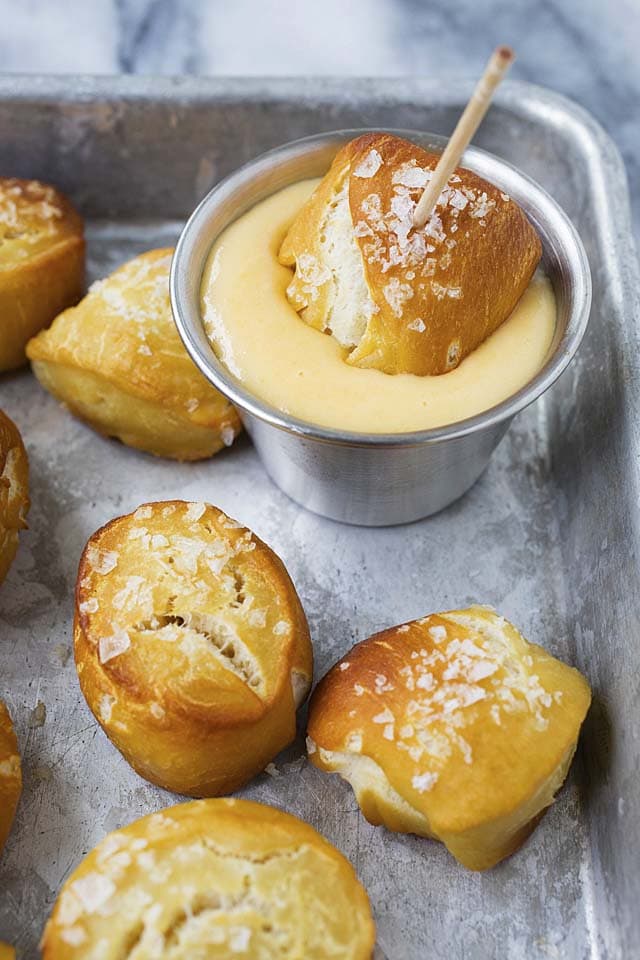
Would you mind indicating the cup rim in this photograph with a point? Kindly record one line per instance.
(538, 205)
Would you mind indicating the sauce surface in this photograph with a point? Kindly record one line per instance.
(260, 338)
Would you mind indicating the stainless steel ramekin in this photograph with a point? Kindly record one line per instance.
(374, 479)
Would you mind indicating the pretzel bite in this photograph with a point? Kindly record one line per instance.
(451, 727)
(10, 775)
(14, 492)
(41, 262)
(191, 646)
(117, 362)
(401, 299)
(212, 879)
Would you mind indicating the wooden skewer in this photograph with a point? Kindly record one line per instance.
(500, 61)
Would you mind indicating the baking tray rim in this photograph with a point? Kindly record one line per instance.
(605, 155)
(521, 97)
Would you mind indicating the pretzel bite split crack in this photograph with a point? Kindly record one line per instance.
(191, 646)
(212, 879)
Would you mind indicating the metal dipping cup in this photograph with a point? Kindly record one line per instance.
(364, 478)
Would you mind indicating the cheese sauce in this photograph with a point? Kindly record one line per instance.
(258, 335)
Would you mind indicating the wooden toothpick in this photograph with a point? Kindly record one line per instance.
(500, 61)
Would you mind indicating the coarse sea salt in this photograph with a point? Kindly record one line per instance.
(101, 561)
(369, 165)
(424, 782)
(113, 646)
(419, 326)
(93, 891)
(195, 511)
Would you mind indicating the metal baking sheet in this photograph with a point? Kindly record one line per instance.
(549, 535)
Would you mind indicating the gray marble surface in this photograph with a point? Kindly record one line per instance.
(586, 49)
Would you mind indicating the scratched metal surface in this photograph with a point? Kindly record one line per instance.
(548, 535)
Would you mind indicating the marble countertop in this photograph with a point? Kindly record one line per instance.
(585, 49)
